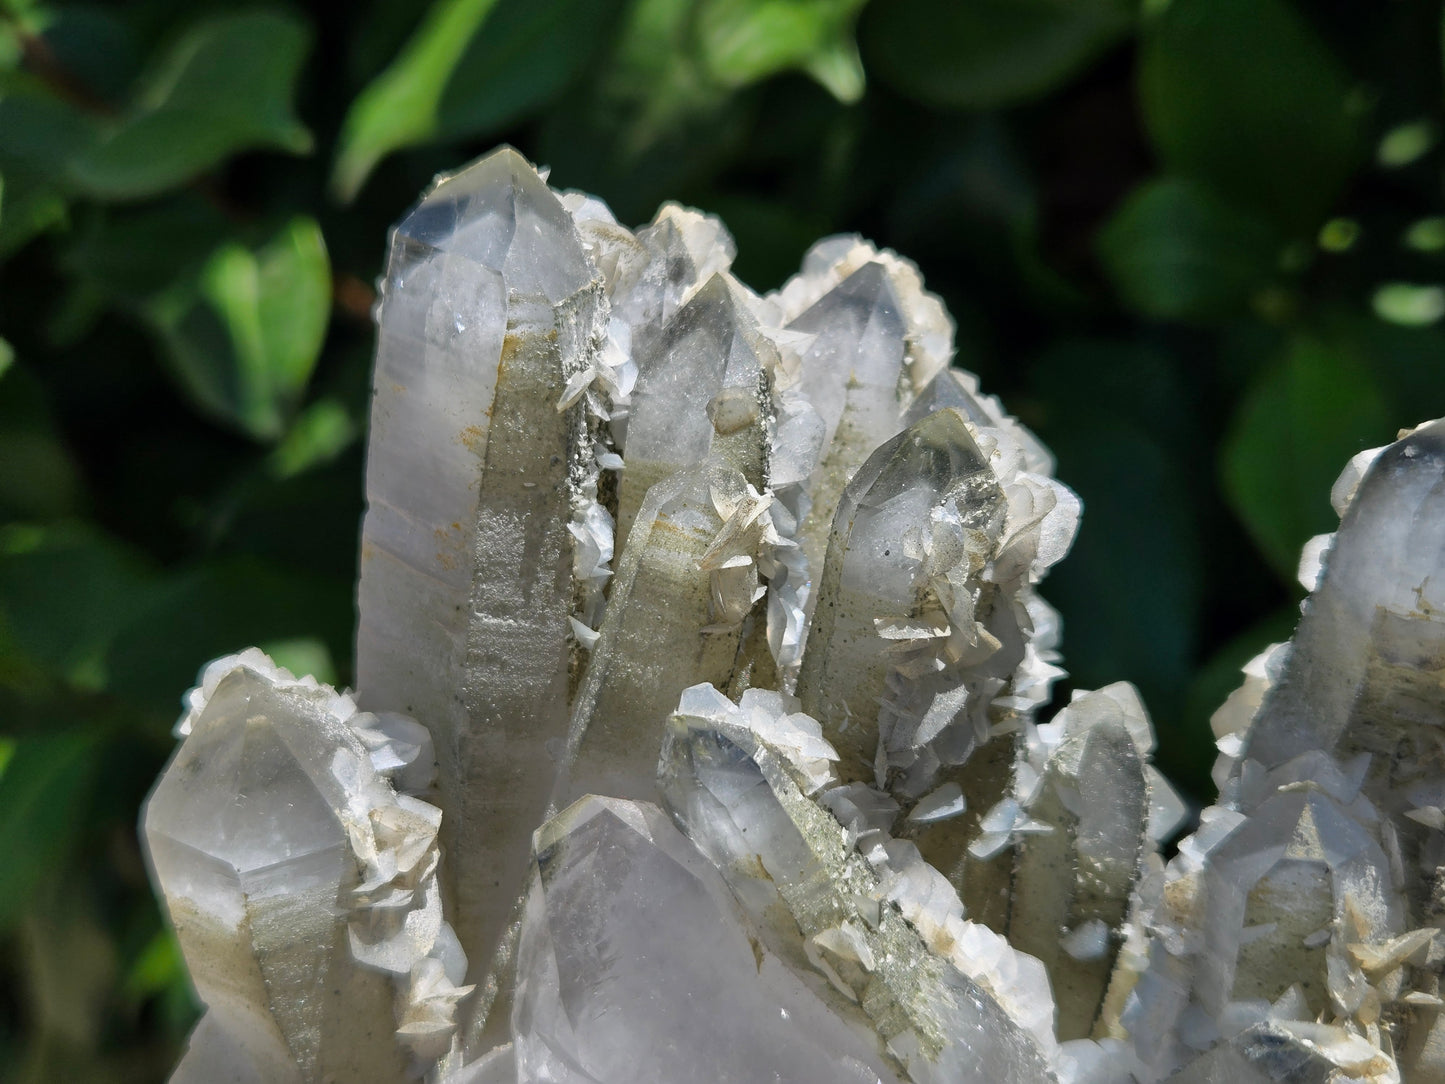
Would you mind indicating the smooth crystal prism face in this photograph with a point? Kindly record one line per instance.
(489, 308)
(747, 588)
(637, 967)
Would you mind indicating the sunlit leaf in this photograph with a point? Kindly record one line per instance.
(245, 338)
(158, 967)
(1405, 143)
(970, 54)
(305, 655)
(318, 435)
(1409, 304)
(1175, 250)
(226, 86)
(1244, 94)
(1305, 415)
(1426, 235)
(399, 107)
(743, 41)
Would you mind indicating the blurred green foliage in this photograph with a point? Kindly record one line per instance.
(1197, 244)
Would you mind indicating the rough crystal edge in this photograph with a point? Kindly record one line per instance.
(386, 824)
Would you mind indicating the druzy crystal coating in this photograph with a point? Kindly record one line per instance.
(697, 725)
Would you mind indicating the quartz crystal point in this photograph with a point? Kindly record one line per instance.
(701, 393)
(898, 591)
(1297, 935)
(870, 337)
(674, 619)
(302, 886)
(489, 307)
(1078, 871)
(942, 1016)
(620, 510)
(638, 967)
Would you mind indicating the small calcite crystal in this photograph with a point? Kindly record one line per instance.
(700, 669)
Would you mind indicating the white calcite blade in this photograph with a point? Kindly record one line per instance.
(489, 306)
(635, 965)
(302, 886)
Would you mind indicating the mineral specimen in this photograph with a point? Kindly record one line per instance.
(699, 668)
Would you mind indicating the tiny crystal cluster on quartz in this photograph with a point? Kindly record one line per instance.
(695, 734)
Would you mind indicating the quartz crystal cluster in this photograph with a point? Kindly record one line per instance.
(697, 730)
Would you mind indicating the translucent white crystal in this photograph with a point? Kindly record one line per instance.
(635, 965)
(302, 886)
(489, 306)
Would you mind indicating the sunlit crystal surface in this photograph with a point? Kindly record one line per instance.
(700, 734)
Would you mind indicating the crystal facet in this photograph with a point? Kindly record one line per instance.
(701, 666)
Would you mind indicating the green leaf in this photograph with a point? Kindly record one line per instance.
(221, 607)
(39, 479)
(1301, 421)
(64, 594)
(158, 967)
(978, 54)
(226, 86)
(302, 656)
(41, 135)
(245, 338)
(129, 253)
(743, 41)
(42, 810)
(320, 433)
(1176, 251)
(399, 107)
(1243, 94)
(7, 356)
(1135, 570)
(1408, 304)
(525, 55)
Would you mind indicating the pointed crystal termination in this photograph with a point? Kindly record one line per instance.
(1093, 795)
(302, 887)
(489, 306)
(635, 965)
(852, 373)
(687, 580)
(701, 394)
(821, 906)
(1292, 1051)
(1377, 618)
(920, 515)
